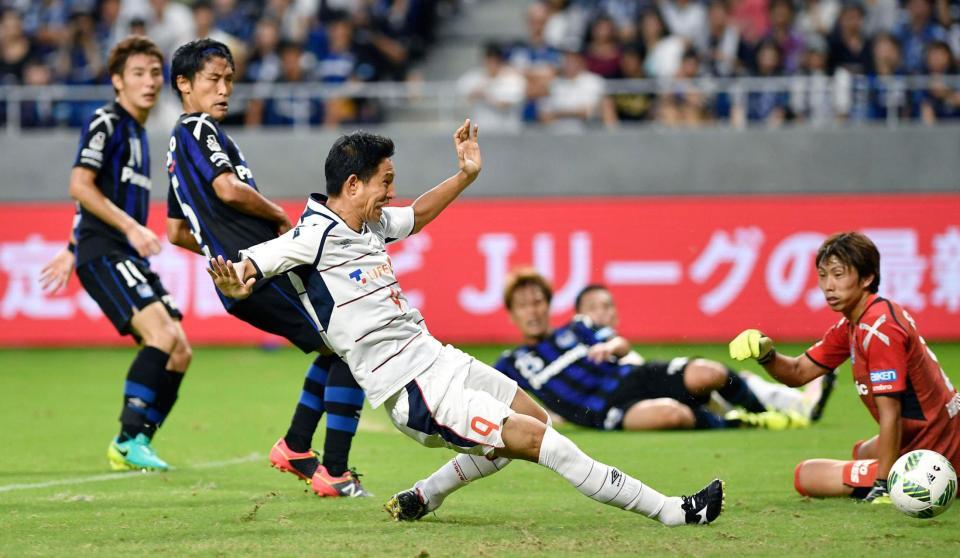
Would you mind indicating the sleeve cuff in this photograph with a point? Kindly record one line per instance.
(821, 365)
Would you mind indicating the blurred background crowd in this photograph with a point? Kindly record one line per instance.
(580, 63)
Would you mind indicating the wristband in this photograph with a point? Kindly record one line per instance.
(768, 357)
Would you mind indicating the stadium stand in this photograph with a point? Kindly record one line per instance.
(604, 63)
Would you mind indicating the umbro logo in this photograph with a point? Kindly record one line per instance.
(615, 476)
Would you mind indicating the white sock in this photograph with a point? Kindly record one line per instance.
(454, 475)
(603, 483)
(777, 396)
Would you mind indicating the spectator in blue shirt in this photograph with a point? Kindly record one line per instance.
(915, 32)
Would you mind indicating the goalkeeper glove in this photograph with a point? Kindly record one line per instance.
(751, 343)
(878, 494)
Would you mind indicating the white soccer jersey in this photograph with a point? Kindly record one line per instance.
(348, 288)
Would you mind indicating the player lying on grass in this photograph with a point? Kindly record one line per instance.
(432, 392)
(587, 374)
(596, 303)
(110, 244)
(215, 209)
(895, 372)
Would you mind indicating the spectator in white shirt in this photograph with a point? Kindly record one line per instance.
(575, 96)
(495, 91)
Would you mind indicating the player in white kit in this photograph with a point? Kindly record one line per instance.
(434, 393)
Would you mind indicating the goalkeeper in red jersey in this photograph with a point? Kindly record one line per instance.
(895, 372)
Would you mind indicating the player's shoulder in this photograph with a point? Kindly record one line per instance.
(103, 122)
(198, 125)
(884, 313)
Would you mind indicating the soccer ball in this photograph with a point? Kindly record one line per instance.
(922, 483)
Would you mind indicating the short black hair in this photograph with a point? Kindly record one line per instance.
(191, 57)
(856, 251)
(359, 153)
(584, 292)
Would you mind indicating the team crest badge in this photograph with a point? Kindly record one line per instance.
(97, 141)
(212, 143)
(144, 290)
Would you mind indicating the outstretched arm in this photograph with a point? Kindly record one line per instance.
(246, 199)
(430, 204)
(234, 281)
(792, 371)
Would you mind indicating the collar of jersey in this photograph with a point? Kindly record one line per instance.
(317, 203)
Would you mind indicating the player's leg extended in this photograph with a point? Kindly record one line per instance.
(343, 401)
(824, 478)
(293, 452)
(702, 376)
(527, 438)
(146, 381)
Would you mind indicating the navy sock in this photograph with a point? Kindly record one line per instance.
(343, 400)
(168, 395)
(145, 381)
(299, 436)
(737, 392)
(707, 420)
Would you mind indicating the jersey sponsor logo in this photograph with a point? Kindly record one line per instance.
(879, 376)
(88, 153)
(361, 277)
(98, 141)
(144, 290)
(357, 276)
(220, 159)
(135, 178)
(244, 173)
(861, 388)
(212, 143)
(882, 387)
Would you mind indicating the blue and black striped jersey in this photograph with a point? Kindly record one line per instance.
(114, 146)
(558, 372)
(199, 152)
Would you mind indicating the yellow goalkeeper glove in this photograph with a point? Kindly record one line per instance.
(751, 343)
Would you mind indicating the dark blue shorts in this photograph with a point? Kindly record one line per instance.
(276, 308)
(121, 284)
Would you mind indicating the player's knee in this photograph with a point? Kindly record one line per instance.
(164, 336)
(523, 434)
(679, 416)
(702, 375)
(181, 356)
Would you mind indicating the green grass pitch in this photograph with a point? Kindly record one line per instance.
(58, 411)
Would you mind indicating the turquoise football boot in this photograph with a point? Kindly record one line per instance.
(135, 454)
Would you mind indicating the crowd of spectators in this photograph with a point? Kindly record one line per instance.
(842, 60)
(44, 42)
(838, 60)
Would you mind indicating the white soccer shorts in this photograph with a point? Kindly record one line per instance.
(458, 402)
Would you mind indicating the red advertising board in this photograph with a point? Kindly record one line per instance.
(681, 269)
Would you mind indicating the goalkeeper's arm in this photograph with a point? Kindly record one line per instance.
(792, 371)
